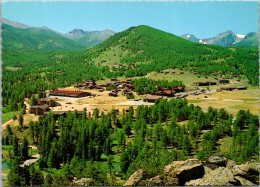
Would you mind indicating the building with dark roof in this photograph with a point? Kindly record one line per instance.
(38, 109)
(47, 101)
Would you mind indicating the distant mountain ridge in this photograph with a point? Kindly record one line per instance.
(89, 38)
(17, 36)
(227, 39)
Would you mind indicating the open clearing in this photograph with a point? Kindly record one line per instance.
(232, 101)
(102, 101)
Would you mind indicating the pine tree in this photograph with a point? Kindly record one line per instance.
(124, 161)
(48, 180)
(20, 120)
(110, 162)
(25, 148)
(127, 129)
(31, 129)
(36, 176)
(15, 175)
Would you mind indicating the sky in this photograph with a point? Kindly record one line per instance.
(203, 19)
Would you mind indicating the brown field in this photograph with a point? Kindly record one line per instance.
(232, 101)
(27, 119)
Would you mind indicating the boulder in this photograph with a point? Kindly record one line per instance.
(135, 178)
(83, 182)
(244, 182)
(207, 170)
(219, 177)
(240, 170)
(249, 171)
(216, 161)
(253, 167)
(230, 164)
(179, 172)
(154, 181)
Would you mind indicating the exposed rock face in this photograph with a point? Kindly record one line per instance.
(83, 182)
(179, 172)
(135, 178)
(192, 172)
(219, 177)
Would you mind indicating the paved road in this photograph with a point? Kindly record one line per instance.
(30, 161)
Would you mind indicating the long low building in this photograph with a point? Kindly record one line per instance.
(69, 93)
(57, 114)
(152, 98)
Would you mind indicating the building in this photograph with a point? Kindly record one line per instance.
(113, 79)
(47, 101)
(241, 87)
(227, 88)
(69, 93)
(152, 98)
(130, 86)
(206, 83)
(113, 94)
(57, 114)
(223, 80)
(38, 109)
(168, 93)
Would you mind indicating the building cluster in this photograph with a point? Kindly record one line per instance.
(209, 83)
(43, 106)
(233, 88)
(115, 86)
(167, 92)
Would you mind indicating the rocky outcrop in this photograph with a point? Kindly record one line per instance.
(83, 182)
(244, 182)
(179, 172)
(193, 172)
(214, 162)
(135, 178)
(219, 161)
(249, 171)
(154, 181)
(219, 177)
(230, 164)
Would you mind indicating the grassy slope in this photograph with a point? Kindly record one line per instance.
(9, 115)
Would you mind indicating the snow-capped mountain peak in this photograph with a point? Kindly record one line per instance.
(240, 35)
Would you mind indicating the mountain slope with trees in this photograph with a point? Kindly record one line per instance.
(35, 38)
(152, 50)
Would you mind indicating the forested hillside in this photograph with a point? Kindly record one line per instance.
(148, 48)
(152, 50)
(14, 38)
(148, 138)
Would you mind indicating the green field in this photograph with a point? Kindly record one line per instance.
(9, 115)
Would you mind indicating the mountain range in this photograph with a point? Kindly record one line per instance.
(227, 39)
(17, 36)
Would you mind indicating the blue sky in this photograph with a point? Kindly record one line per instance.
(203, 19)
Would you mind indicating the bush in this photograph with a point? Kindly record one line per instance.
(14, 117)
